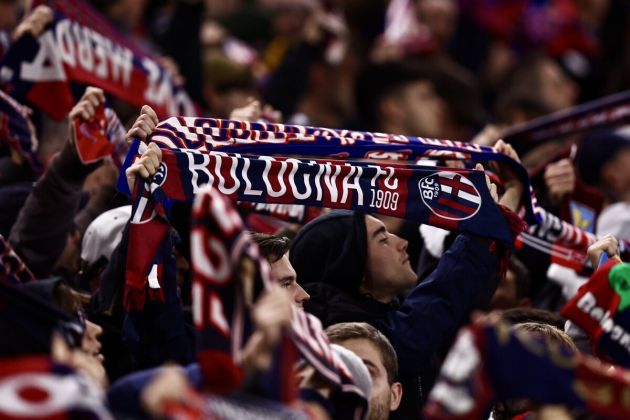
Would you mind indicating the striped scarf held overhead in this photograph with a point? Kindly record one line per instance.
(270, 139)
(451, 199)
(229, 275)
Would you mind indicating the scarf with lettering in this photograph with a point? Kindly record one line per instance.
(272, 139)
(490, 363)
(447, 198)
(81, 47)
(229, 275)
(102, 136)
(600, 308)
(205, 134)
(15, 131)
(36, 387)
(12, 268)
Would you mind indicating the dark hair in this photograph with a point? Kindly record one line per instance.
(271, 247)
(378, 81)
(356, 330)
(549, 333)
(521, 277)
(541, 316)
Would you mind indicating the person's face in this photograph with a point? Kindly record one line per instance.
(91, 343)
(423, 110)
(384, 397)
(283, 273)
(559, 91)
(388, 272)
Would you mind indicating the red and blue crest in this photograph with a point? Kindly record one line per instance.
(450, 195)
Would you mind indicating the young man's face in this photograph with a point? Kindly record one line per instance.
(388, 271)
(283, 273)
(385, 397)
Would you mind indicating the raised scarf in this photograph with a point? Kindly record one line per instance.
(493, 362)
(81, 47)
(229, 276)
(600, 308)
(15, 131)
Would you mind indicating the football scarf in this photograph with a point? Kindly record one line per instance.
(444, 197)
(229, 276)
(271, 139)
(12, 268)
(600, 308)
(103, 135)
(37, 388)
(81, 47)
(490, 363)
(15, 131)
(149, 247)
(610, 110)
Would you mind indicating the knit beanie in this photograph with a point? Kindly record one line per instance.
(331, 249)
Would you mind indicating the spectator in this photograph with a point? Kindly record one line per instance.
(380, 358)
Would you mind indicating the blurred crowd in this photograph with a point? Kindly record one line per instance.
(386, 296)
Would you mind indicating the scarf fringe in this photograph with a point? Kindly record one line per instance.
(135, 292)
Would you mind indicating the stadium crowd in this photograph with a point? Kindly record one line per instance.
(457, 253)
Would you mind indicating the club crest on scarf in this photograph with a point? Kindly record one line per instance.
(450, 195)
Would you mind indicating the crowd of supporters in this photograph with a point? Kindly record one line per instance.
(496, 288)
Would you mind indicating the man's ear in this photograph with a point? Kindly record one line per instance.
(396, 392)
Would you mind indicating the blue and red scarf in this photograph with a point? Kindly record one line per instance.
(16, 132)
(102, 136)
(490, 363)
(606, 111)
(81, 47)
(448, 198)
(600, 308)
(229, 276)
(12, 268)
(36, 387)
(271, 139)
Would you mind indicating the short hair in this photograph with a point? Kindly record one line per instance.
(521, 277)
(527, 315)
(549, 333)
(361, 330)
(378, 81)
(271, 247)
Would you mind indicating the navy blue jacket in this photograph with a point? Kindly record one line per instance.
(423, 325)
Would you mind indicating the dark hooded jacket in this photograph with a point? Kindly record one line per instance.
(423, 324)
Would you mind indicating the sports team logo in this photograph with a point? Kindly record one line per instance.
(450, 195)
(160, 176)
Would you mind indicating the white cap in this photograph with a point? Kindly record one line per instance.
(103, 235)
(358, 370)
(615, 219)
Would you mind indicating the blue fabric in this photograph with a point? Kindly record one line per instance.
(124, 395)
(430, 315)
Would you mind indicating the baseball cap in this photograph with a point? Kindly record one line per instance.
(103, 235)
